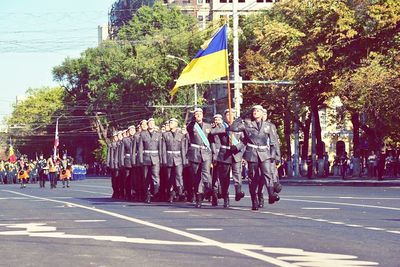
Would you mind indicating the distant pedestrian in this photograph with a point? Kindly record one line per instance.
(381, 165)
(371, 164)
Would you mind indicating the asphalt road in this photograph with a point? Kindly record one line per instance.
(310, 226)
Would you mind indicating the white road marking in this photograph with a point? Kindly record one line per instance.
(13, 198)
(91, 192)
(343, 204)
(309, 208)
(94, 186)
(343, 197)
(89, 221)
(299, 257)
(206, 241)
(204, 229)
(175, 211)
(320, 220)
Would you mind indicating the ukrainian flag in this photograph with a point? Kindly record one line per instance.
(210, 63)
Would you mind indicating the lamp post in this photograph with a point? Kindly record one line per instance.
(195, 85)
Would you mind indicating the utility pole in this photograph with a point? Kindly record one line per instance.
(237, 98)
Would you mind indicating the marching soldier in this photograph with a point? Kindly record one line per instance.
(138, 169)
(215, 147)
(127, 158)
(173, 158)
(259, 153)
(150, 145)
(112, 163)
(65, 170)
(229, 158)
(53, 169)
(23, 168)
(121, 168)
(275, 177)
(200, 155)
(43, 171)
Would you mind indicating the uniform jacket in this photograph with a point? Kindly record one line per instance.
(226, 154)
(135, 149)
(127, 152)
(275, 140)
(194, 153)
(112, 157)
(254, 136)
(120, 163)
(150, 142)
(174, 148)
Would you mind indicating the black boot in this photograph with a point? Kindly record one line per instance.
(272, 196)
(261, 200)
(226, 201)
(147, 198)
(239, 194)
(199, 200)
(171, 196)
(214, 199)
(254, 202)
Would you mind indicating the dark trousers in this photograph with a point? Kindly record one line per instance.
(151, 174)
(174, 176)
(42, 179)
(53, 179)
(138, 183)
(188, 182)
(114, 182)
(264, 177)
(202, 176)
(128, 183)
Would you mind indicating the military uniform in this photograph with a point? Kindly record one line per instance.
(150, 159)
(112, 163)
(43, 172)
(229, 159)
(260, 155)
(199, 155)
(173, 158)
(275, 177)
(128, 161)
(138, 179)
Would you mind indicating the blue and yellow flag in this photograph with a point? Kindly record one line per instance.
(210, 63)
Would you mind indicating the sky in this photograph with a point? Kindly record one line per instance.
(37, 35)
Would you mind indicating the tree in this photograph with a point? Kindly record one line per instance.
(122, 79)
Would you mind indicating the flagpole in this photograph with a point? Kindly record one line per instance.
(229, 89)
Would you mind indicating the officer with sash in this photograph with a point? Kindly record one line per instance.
(259, 153)
(173, 158)
(112, 163)
(200, 155)
(229, 158)
(150, 146)
(121, 168)
(127, 159)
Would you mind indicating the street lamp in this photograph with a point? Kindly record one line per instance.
(195, 85)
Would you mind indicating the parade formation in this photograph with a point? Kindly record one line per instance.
(196, 162)
(25, 171)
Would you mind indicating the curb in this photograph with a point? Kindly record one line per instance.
(340, 183)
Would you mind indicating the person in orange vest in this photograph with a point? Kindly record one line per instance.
(23, 175)
(65, 170)
(53, 169)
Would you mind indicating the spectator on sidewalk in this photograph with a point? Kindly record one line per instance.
(372, 163)
(381, 164)
(326, 164)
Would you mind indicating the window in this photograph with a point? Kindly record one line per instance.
(260, 1)
(242, 1)
(207, 1)
(222, 1)
(200, 2)
(200, 18)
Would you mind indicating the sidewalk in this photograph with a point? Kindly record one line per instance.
(338, 181)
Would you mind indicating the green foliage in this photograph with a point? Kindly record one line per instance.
(37, 110)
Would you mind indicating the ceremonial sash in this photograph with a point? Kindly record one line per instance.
(202, 135)
(231, 136)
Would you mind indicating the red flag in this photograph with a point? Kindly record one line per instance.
(11, 154)
(56, 140)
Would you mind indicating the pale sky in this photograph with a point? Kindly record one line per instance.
(37, 35)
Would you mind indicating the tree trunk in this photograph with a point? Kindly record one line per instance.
(355, 120)
(287, 133)
(319, 161)
(304, 149)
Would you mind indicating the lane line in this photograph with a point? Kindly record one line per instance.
(202, 239)
(89, 221)
(342, 197)
(175, 211)
(309, 208)
(204, 229)
(94, 186)
(91, 192)
(319, 220)
(342, 204)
